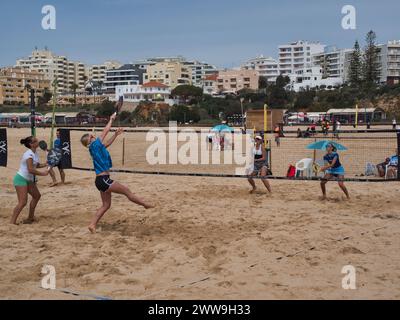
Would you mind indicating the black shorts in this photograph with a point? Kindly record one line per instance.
(103, 183)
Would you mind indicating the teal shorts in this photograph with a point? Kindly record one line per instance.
(20, 181)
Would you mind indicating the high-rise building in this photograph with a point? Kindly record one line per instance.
(199, 71)
(14, 84)
(169, 71)
(266, 67)
(98, 72)
(389, 61)
(55, 68)
(334, 62)
(297, 56)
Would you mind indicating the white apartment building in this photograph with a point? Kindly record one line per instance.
(390, 62)
(266, 67)
(296, 56)
(151, 91)
(199, 71)
(334, 62)
(310, 78)
(128, 74)
(55, 67)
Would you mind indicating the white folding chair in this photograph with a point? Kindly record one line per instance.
(304, 166)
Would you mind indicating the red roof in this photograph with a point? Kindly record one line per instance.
(212, 77)
(154, 84)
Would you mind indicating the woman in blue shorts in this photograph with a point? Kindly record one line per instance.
(102, 164)
(332, 168)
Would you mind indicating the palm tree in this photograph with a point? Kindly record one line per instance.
(74, 87)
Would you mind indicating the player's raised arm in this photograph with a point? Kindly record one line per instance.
(107, 129)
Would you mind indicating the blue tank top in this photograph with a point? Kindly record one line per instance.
(101, 157)
(329, 157)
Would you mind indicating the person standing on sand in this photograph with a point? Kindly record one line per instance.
(260, 165)
(25, 180)
(102, 164)
(57, 146)
(332, 168)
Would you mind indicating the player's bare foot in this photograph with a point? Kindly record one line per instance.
(29, 221)
(252, 190)
(149, 206)
(323, 198)
(53, 184)
(92, 229)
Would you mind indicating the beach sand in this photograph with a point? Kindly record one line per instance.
(207, 238)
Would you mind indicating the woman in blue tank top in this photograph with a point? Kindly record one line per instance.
(102, 164)
(332, 168)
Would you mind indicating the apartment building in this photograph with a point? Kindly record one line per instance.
(199, 71)
(390, 62)
(14, 84)
(55, 67)
(128, 74)
(210, 85)
(312, 77)
(232, 81)
(169, 71)
(297, 56)
(150, 91)
(98, 72)
(334, 62)
(266, 67)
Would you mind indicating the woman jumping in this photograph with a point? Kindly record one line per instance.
(260, 165)
(332, 168)
(102, 164)
(25, 181)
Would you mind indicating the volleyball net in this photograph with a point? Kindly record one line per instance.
(370, 155)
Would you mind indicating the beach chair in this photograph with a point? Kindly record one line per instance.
(304, 167)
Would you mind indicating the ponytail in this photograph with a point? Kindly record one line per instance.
(27, 142)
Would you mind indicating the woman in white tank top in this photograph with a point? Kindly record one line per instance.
(260, 165)
(25, 181)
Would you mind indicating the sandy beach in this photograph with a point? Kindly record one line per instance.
(207, 238)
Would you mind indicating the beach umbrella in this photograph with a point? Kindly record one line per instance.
(321, 145)
(222, 128)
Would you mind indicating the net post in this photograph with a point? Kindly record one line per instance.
(123, 152)
(33, 113)
(398, 155)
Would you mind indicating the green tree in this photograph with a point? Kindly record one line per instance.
(356, 66)
(187, 92)
(106, 109)
(371, 66)
(181, 113)
(262, 82)
(74, 87)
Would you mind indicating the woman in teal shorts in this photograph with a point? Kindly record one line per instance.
(25, 181)
(332, 168)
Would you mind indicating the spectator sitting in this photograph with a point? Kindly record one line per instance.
(392, 167)
(382, 167)
(299, 133)
(307, 133)
(313, 129)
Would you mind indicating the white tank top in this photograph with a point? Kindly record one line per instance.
(23, 168)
